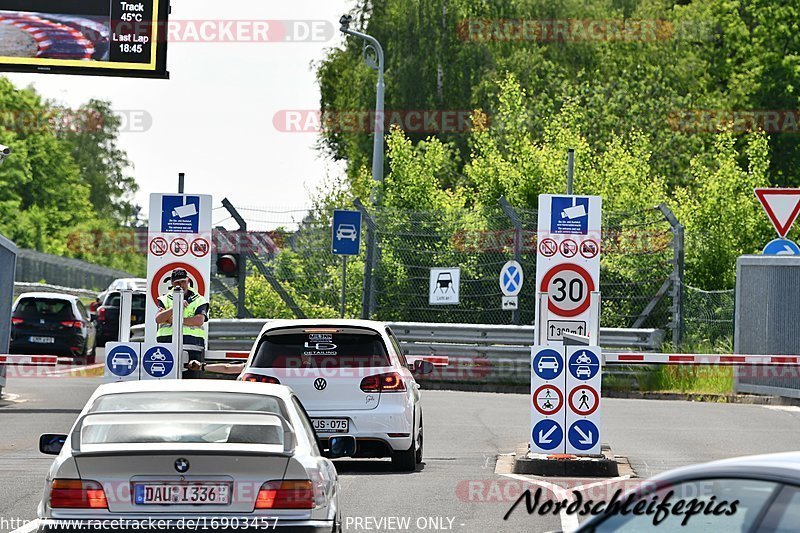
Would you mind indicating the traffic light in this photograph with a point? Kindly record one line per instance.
(228, 265)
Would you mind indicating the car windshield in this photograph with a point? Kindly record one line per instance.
(44, 307)
(183, 428)
(138, 301)
(188, 401)
(321, 348)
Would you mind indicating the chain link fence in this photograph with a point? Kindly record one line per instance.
(709, 316)
(637, 266)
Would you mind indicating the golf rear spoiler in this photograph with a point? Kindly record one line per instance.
(289, 438)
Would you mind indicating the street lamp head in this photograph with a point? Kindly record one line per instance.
(345, 21)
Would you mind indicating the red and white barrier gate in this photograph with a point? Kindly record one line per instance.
(699, 359)
(29, 360)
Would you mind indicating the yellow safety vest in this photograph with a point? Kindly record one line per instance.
(195, 301)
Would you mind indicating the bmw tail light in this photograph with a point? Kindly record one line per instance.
(77, 494)
(287, 494)
(389, 382)
(258, 378)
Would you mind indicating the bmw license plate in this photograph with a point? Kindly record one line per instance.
(181, 493)
(42, 340)
(331, 425)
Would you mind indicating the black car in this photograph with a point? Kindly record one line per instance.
(107, 315)
(45, 323)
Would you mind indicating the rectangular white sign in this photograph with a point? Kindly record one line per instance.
(160, 361)
(547, 399)
(583, 399)
(122, 361)
(568, 259)
(179, 236)
(444, 286)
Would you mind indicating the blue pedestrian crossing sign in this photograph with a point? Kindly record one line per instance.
(346, 232)
(583, 435)
(548, 364)
(584, 364)
(122, 360)
(547, 434)
(511, 279)
(781, 247)
(158, 361)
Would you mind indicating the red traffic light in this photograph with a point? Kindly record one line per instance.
(227, 265)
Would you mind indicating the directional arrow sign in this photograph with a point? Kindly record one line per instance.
(547, 434)
(583, 436)
(782, 207)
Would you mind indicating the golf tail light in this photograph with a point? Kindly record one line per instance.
(258, 378)
(389, 382)
(77, 494)
(286, 494)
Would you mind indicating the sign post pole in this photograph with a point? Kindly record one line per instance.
(125, 301)
(344, 284)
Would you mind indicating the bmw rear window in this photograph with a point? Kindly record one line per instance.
(321, 348)
(188, 401)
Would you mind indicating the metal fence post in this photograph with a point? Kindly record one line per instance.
(677, 274)
(509, 211)
(368, 296)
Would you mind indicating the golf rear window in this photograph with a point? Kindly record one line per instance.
(44, 308)
(321, 348)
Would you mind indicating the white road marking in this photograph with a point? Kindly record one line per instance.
(787, 408)
(13, 398)
(569, 522)
(27, 528)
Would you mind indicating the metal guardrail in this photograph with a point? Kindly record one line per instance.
(478, 353)
(24, 286)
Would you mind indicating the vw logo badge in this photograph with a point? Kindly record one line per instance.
(181, 465)
(320, 384)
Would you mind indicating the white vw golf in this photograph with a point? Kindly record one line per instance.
(352, 378)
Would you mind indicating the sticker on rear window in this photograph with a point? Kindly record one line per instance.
(320, 337)
(320, 344)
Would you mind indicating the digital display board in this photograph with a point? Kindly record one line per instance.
(94, 37)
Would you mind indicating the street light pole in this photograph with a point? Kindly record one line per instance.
(372, 43)
(376, 63)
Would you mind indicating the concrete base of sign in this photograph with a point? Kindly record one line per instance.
(566, 465)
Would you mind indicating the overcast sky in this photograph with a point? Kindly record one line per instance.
(213, 119)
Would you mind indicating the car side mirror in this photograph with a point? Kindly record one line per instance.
(51, 443)
(344, 446)
(422, 366)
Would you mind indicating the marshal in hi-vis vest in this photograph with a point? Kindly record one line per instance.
(196, 304)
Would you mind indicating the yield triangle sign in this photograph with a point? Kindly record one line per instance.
(782, 207)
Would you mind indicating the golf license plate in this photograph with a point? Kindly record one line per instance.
(181, 493)
(42, 340)
(331, 425)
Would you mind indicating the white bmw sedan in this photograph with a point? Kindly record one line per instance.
(191, 455)
(353, 379)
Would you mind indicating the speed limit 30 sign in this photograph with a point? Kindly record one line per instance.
(568, 270)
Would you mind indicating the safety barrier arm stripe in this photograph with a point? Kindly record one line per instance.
(699, 359)
(29, 360)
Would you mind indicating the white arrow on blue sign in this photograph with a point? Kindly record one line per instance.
(547, 434)
(781, 247)
(583, 435)
(511, 278)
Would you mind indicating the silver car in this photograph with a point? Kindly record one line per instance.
(224, 454)
(756, 493)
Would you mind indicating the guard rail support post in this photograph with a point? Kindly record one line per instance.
(368, 295)
(677, 273)
(510, 213)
